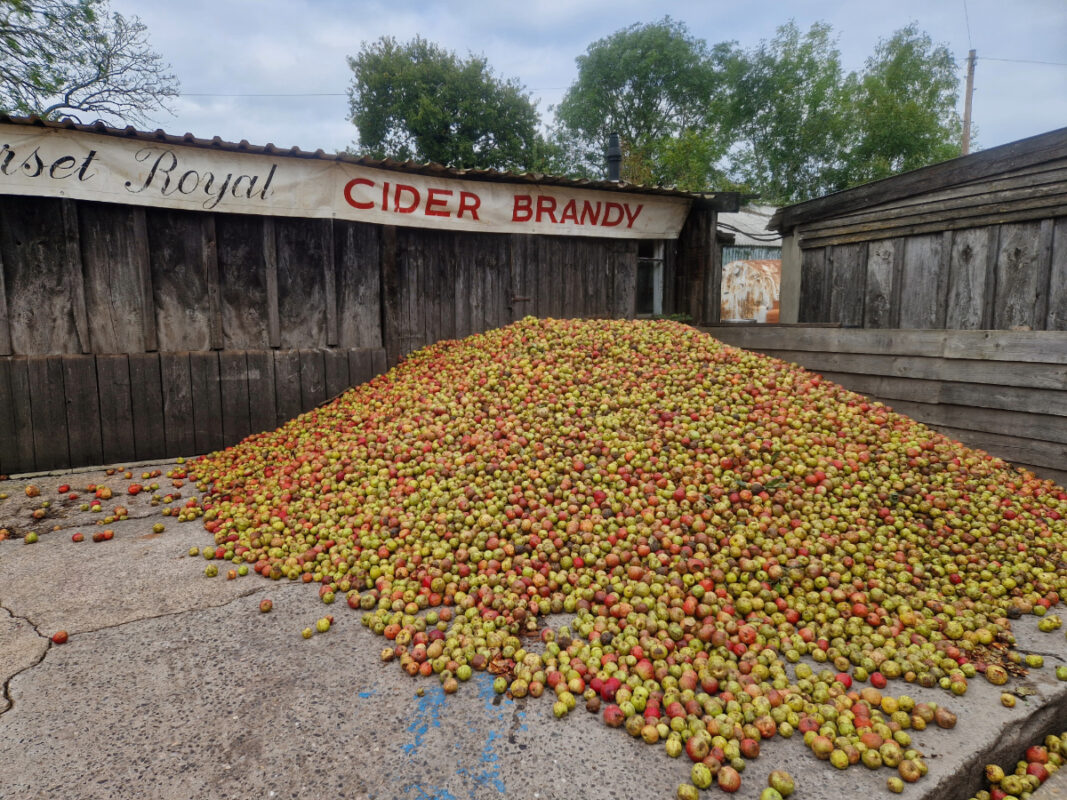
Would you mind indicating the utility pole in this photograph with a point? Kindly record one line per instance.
(966, 148)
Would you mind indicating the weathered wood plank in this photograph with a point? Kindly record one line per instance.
(961, 370)
(336, 363)
(463, 305)
(1022, 277)
(179, 283)
(1057, 293)
(1039, 347)
(1056, 207)
(16, 431)
(625, 277)
(209, 251)
(262, 400)
(880, 283)
(270, 276)
(813, 286)
(72, 260)
(302, 259)
(360, 365)
(713, 297)
(968, 269)
(390, 281)
(1008, 423)
(206, 385)
(517, 285)
(242, 280)
(1049, 456)
(83, 410)
(329, 267)
(441, 284)
(287, 384)
(921, 282)
(957, 201)
(312, 379)
(142, 259)
(117, 428)
(846, 267)
(357, 249)
(49, 413)
(146, 391)
(20, 393)
(1048, 147)
(553, 287)
(116, 269)
(179, 423)
(233, 375)
(9, 461)
(379, 362)
(5, 328)
(42, 287)
(1005, 398)
(492, 256)
(887, 388)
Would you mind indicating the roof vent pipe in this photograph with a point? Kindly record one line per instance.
(614, 157)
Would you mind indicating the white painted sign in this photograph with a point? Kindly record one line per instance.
(51, 162)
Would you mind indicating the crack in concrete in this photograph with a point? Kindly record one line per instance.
(164, 615)
(6, 693)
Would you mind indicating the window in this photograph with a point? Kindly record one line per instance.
(648, 295)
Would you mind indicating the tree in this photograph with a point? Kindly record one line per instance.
(657, 87)
(417, 101)
(74, 58)
(905, 108)
(789, 107)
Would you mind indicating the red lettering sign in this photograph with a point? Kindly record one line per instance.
(352, 184)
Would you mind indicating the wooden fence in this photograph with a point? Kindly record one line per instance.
(1004, 392)
(131, 333)
(58, 411)
(1002, 277)
(973, 243)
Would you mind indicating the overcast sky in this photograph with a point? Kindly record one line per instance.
(221, 49)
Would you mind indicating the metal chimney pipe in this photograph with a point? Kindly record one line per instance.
(614, 157)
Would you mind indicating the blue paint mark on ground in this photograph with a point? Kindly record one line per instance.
(487, 774)
(365, 695)
(428, 792)
(427, 715)
(498, 705)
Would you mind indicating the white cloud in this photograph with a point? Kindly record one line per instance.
(287, 46)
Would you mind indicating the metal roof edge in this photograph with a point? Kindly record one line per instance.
(719, 200)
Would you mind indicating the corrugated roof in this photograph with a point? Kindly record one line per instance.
(429, 168)
(749, 226)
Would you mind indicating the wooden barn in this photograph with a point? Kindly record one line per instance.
(166, 295)
(943, 292)
(975, 243)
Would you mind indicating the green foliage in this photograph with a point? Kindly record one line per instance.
(658, 88)
(905, 109)
(789, 112)
(417, 101)
(74, 58)
(781, 119)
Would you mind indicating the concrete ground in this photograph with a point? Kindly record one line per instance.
(174, 685)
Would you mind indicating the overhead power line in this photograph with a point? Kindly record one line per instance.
(1026, 61)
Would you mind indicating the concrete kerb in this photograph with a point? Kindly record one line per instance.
(173, 685)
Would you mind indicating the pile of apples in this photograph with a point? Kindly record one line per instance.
(709, 516)
(1039, 762)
